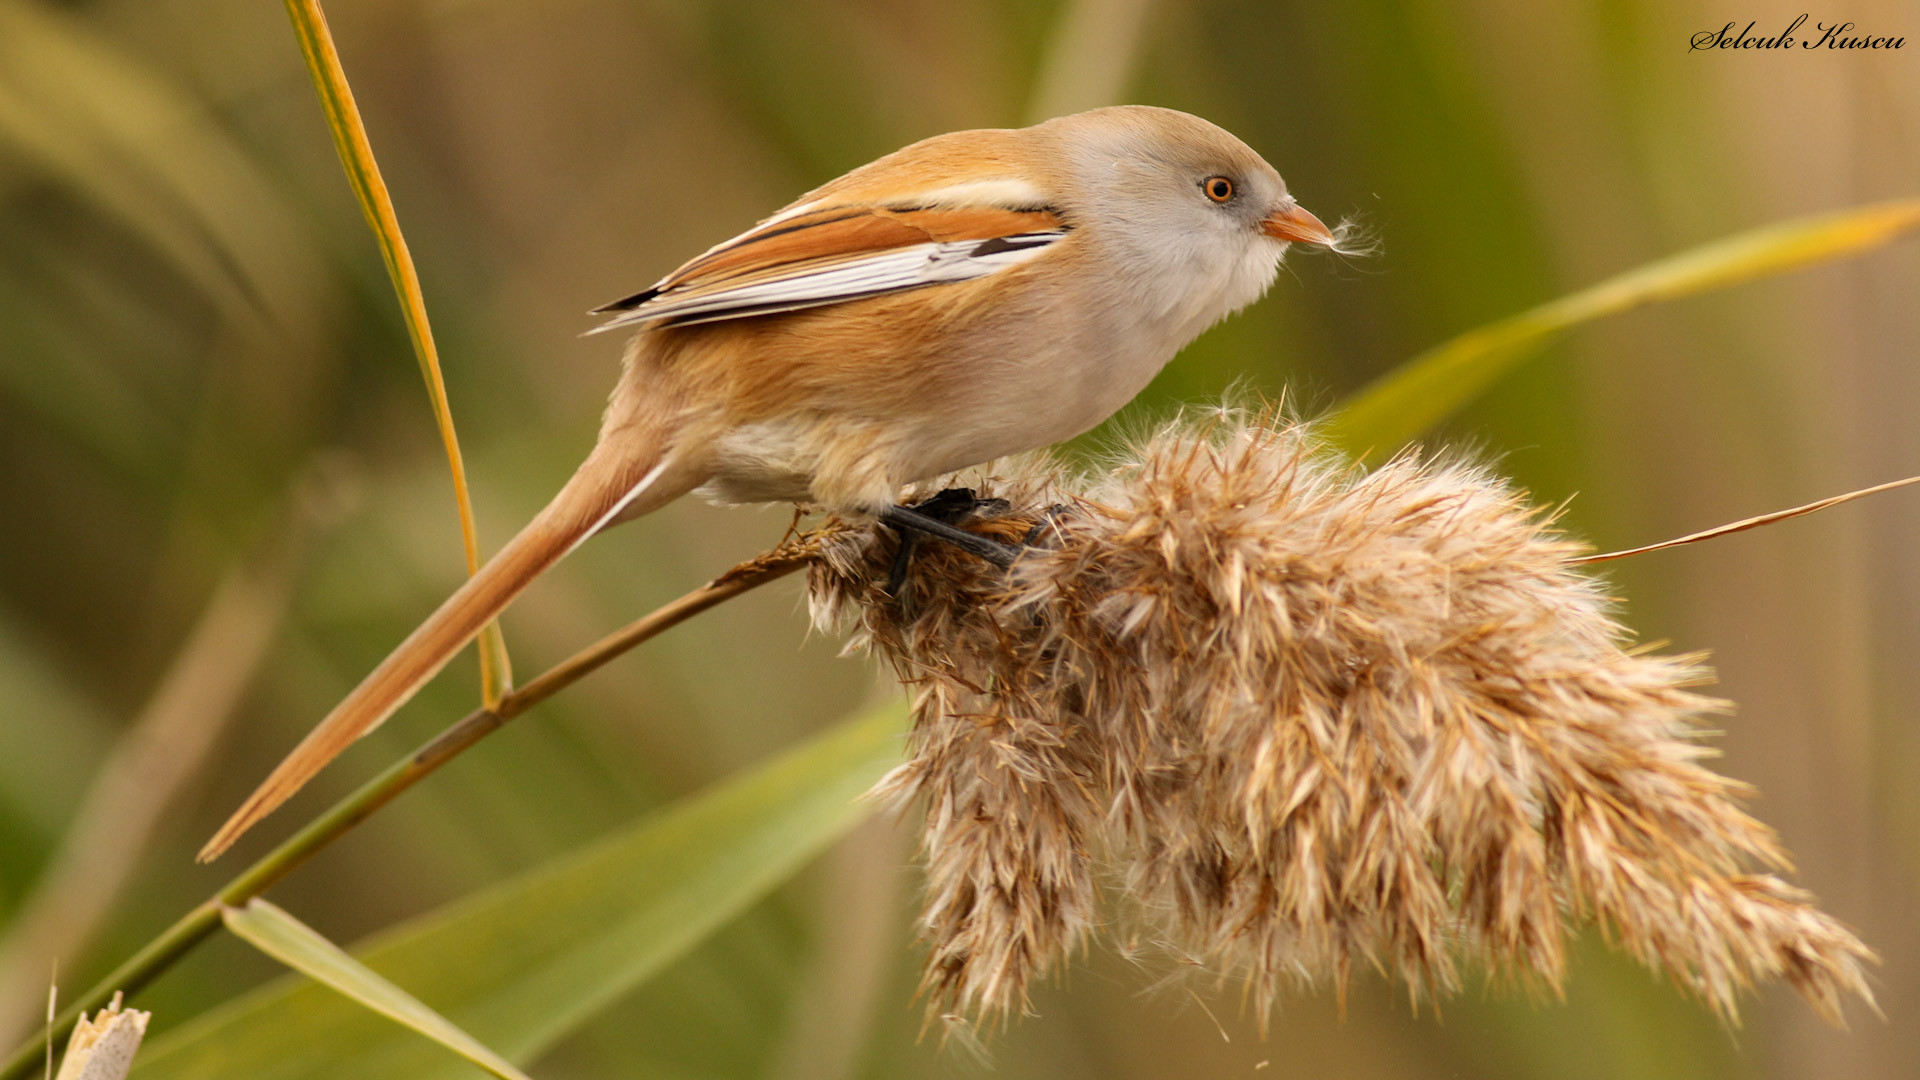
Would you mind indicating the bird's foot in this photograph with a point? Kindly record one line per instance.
(938, 517)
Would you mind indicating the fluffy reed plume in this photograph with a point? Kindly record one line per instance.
(1306, 715)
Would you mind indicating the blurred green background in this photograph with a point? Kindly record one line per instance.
(195, 323)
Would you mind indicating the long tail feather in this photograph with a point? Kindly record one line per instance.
(606, 487)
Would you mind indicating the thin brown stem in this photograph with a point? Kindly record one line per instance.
(197, 925)
(1749, 523)
(748, 575)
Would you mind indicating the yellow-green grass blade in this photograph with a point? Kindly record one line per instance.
(300, 947)
(1405, 402)
(522, 964)
(363, 172)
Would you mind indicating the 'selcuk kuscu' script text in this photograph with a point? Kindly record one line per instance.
(1840, 35)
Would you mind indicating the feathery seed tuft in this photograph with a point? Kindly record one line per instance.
(1307, 715)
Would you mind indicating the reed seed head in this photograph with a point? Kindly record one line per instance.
(1305, 715)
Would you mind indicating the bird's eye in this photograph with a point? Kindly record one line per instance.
(1218, 188)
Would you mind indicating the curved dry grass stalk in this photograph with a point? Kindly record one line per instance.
(1310, 716)
(363, 174)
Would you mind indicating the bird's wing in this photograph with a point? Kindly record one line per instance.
(808, 257)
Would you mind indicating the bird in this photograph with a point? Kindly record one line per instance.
(972, 295)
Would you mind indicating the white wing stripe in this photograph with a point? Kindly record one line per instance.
(1000, 193)
(887, 271)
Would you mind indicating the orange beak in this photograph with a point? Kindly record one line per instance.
(1294, 225)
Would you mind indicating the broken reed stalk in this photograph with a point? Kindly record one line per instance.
(198, 924)
(1310, 718)
(103, 1046)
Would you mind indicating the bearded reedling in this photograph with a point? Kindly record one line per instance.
(973, 295)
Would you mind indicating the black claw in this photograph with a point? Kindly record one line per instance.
(1052, 514)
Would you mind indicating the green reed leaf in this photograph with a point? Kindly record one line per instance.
(1407, 401)
(300, 947)
(522, 964)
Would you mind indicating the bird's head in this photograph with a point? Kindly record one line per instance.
(1195, 219)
